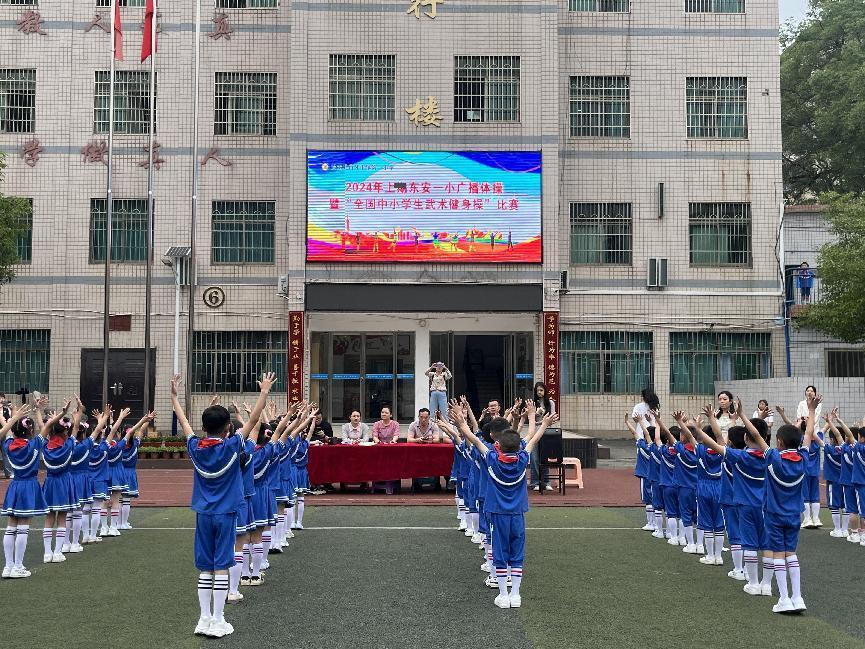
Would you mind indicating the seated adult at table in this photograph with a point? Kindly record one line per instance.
(423, 430)
(323, 431)
(493, 410)
(355, 430)
(385, 430)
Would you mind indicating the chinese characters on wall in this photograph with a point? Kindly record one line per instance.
(551, 354)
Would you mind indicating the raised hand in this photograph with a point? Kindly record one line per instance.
(267, 381)
(124, 413)
(214, 399)
(780, 410)
(550, 419)
(247, 408)
(41, 403)
(679, 416)
(176, 380)
(814, 401)
(530, 408)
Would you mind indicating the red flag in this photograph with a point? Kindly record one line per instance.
(149, 13)
(118, 32)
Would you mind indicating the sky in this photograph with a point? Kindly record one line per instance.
(793, 9)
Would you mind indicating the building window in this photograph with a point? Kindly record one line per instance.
(720, 234)
(715, 6)
(25, 360)
(487, 89)
(131, 102)
(242, 232)
(17, 100)
(247, 4)
(600, 107)
(20, 3)
(362, 87)
(128, 229)
(698, 359)
(233, 361)
(245, 103)
(601, 233)
(24, 236)
(845, 362)
(106, 4)
(717, 107)
(605, 362)
(606, 6)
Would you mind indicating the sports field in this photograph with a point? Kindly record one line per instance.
(393, 577)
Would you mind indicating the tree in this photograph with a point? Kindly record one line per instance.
(12, 213)
(840, 312)
(823, 100)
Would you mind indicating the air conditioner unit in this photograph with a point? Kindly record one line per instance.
(657, 275)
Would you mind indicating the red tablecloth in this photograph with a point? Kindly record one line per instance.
(350, 463)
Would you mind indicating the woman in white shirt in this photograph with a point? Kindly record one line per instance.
(725, 409)
(355, 430)
(763, 412)
(650, 403)
(802, 409)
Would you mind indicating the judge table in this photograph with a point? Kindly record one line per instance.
(350, 463)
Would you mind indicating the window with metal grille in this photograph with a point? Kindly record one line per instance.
(698, 359)
(605, 362)
(242, 232)
(20, 3)
(233, 361)
(106, 4)
(362, 87)
(600, 106)
(617, 6)
(717, 107)
(720, 234)
(24, 235)
(245, 103)
(486, 89)
(128, 229)
(17, 100)
(845, 362)
(25, 360)
(715, 6)
(601, 233)
(131, 102)
(247, 4)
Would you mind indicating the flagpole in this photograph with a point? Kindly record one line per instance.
(192, 270)
(149, 254)
(106, 315)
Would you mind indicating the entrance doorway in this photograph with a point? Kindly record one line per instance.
(125, 379)
(486, 366)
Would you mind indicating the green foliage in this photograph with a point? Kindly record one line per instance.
(12, 210)
(840, 313)
(823, 100)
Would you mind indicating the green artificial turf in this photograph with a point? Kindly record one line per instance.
(359, 585)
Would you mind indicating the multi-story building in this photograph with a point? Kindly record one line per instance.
(657, 198)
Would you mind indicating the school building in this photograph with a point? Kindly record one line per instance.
(657, 213)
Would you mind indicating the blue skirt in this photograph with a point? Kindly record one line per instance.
(24, 499)
(263, 507)
(59, 492)
(117, 477)
(245, 517)
(288, 488)
(100, 489)
(279, 492)
(301, 481)
(83, 487)
(131, 483)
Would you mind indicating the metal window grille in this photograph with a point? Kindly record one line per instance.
(362, 87)
(233, 361)
(601, 233)
(845, 362)
(17, 100)
(486, 89)
(605, 362)
(128, 229)
(715, 6)
(245, 103)
(720, 234)
(717, 107)
(24, 236)
(131, 102)
(600, 106)
(247, 4)
(616, 6)
(698, 359)
(106, 4)
(25, 360)
(242, 232)
(20, 3)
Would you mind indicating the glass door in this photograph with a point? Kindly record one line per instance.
(346, 351)
(379, 375)
(519, 365)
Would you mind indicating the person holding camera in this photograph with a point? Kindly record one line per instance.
(438, 376)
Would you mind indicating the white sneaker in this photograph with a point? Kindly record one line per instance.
(738, 575)
(648, 528)
(477, 538)
(806, 523)
(836, 534)
(816, 523)
(799, 604)
(19, 573)
(203, 626)
(683, 541)
(65, 548)
(673, 541)
(103, 531)
(220, 628)
(289, 534)
(47, 558)
(125, 526)
(690, 549)
(854, 537)
(753, 590)
(485, 567)
(701, 549)
(58, 557)
(862, 542)
(658, 534)
(235, 597)
(297, 526)
(719, 561)
(76, 547)
(491, 582)
(462, 525)
(546, 488)
(516, 601)
(265, 565)
(7, 572)
(709, 561)
(469, 533)
(503, 601)
(766, 590)
(783, 606)
(113, 531)
(535, 488)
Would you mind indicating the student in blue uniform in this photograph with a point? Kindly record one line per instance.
(245, 517)
(129, 461)
(833, 454)
(729, 509)
(488, 435)
(811, 484)
(642, 466)
(100, 476)
(23, 499)
(300, 459)
(686, 475)
(58, 490)
(668, 484)
(654, 478)
(851, 510)
(216, 495)
(78, 467)
(856, 450)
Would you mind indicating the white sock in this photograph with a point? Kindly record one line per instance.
(689, 534)
(85, 520)
(738, 557)
(47, 539)
(300, 506)
(845, 522)
(659, 520)
(205, 588)
(103, 518)
(257, 559)
(115, 519)
(768, 571)
(457, 503)
(502, 579)
(234, 572)
(290, 514)
(280, 526)
(516, 580)
(700, 536)
(9, 545)
(59, 539)
(489, 555)
(94, 522)
(781, 578)
(806, 513)
(21, 544)
(751, 567)
(476, 522)
(673, 527)
(265, 542)
(220, 592)
(650, 515)
(836, 519)
(278, 537)
(795, 575)
(709, 540)
(77, 523)
(244, 572)
(815, 512)
(719, 544)
(125, 508)
(68, 525)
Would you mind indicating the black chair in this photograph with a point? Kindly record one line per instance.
(551, 456)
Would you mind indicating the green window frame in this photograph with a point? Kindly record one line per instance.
(24, 236)
(106, 4)
(17, 100)
(715, 6)
(699, 358)
(719, 234)
(602, 6)
(717, 107)
(131, 102)
(600, 106)
(606, 362)
(242, 232)
(601, 233)
(245, 103)
(362, 87)
(25, 360)
(247, 4)
(233, 361)
(128, 230)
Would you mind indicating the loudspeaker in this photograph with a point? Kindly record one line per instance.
(550, 447)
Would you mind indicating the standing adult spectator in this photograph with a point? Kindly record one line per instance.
(804, 282)
(649, 403)
(543, 406)
(802, 409)
(438, 375)
(763, 412)
(726, 407)
(386, 429)
(355, 430)
(423, 430)
(493, 410)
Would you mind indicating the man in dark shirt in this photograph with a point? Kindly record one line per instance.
(323, 433)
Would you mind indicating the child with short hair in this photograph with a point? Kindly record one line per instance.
(129, 461)
(850, 518)
(833, 453)
(686, 476)
(642, 467)
(667, 482)
(811, 484)
(23, 499)
(856, 446)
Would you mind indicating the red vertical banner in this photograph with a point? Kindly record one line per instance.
(551, 354)
(295, 356)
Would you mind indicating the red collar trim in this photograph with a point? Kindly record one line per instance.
(792, 456)
(507, 458)
(690, 447)
(712, 451)
(55, 441)
(207, 442)
(18, 442)
(756, 452)
(672, 450)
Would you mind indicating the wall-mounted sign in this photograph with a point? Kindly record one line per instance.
(214, 297)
